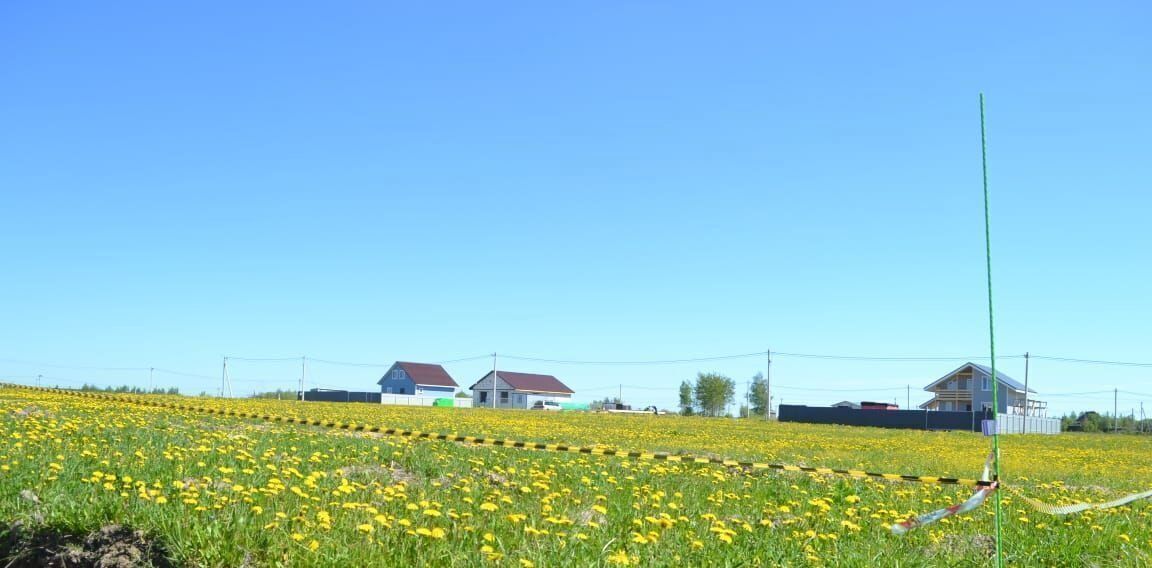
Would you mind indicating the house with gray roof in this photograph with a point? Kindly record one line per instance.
(507, 389)
(969, 388)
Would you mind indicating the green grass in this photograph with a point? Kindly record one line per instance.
(228, 486)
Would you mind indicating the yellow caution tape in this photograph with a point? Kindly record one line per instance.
(1079, 507)
(498, 442)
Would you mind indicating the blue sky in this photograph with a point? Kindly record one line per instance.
(606, 181)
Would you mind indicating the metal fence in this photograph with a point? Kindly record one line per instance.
(381, 398)
(918, 419)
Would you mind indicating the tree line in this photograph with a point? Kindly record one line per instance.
(711, 394)
(1093, 421)
(129, 389)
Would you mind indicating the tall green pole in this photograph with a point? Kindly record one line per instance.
(991, 335)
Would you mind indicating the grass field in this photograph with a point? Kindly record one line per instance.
(200, 489)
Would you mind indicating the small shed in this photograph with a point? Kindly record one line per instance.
(517, 390)
(421, 379)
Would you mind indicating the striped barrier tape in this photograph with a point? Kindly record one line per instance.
(982, 493)
(500, 442)
(978, 497)
(1079, 507)
(985, 487)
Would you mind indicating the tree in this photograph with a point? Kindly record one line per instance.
(758, 395)
(713, 393)
(686, 397)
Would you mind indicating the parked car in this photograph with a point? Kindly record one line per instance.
(546, 405)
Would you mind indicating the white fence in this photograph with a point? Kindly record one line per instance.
(413, 400)
(1017, 424)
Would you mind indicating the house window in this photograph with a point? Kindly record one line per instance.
(483, 396)
(503, 397)
(387, 390)
(402, 390)
(986, 384)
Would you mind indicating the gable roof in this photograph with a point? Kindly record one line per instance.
(529, 382)
(1001, 377)
(427, 374)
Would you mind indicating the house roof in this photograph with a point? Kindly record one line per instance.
(427, 374)
(530, 382)
(1001, 377)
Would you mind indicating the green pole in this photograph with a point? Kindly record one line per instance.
(991, 336)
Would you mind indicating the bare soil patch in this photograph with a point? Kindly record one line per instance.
(112, 546)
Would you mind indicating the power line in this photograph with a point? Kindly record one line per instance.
(183, 374)
(76, 367)
(262, 359)
(465, 359)
(756, 354)
(649, 362)
(1091, 361)
(888, 358)
(349, 363)
(863, 389)
(1086, 393)
(371, 365)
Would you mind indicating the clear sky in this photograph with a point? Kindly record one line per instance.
(368, 181)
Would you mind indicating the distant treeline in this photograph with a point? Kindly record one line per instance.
(276, 394)
(1093, 421)
(129, 389)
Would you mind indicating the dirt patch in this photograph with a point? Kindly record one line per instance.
(400, 474)
(113, 546)
(371, 471)
(955, 545)
(33, 411)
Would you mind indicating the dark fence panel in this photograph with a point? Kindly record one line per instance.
(341, 396)
(910, 419)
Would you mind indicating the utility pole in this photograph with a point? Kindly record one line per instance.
(768, 386)
(908, 402)
(38, 377)
(302, 377)
(1026, 413)
(1115, 403)
(150, 370)
(223, 377)
(620, 394)
(493, 379)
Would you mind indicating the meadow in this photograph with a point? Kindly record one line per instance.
(199, 489)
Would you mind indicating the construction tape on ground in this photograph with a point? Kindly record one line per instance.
(499, 442)
(978, 497)
(981, 494)
(984, 486)
(1072, 508)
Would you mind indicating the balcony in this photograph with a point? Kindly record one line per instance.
(957, 396)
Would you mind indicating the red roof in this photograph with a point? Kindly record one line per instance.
(427, 374)
(532, 383)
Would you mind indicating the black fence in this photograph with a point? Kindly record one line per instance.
(340, 396)
(909, 419)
